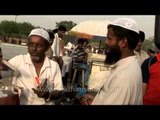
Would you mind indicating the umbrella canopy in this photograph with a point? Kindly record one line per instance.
(92, 29)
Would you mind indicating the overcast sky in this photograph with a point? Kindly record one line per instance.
(145, 22)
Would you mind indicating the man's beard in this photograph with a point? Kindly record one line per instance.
(35, 58)
(112, 55)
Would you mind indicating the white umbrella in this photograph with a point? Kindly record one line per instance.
(92, 29)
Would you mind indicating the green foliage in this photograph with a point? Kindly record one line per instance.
(2, 33)
(13, 35)
(14, 29)
(149, 44)
(8, 27)
(24, 28)
(67, 24)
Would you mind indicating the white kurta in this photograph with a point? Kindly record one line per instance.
(56, 46)
(97, 78)
(123, 86)
(26, 79)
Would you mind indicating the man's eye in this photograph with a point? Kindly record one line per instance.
(35, 45)
(40, 46)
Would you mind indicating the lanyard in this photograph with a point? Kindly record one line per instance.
(37, 81)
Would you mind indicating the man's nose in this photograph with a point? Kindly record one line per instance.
(34, 47)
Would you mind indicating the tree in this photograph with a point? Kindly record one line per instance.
(149, 44)
(67, 24)
(14, 29)
(24, 28)
(9, 27)
(2, 33)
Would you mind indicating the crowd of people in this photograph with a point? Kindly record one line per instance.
(133, 79)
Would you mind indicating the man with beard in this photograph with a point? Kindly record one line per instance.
(123, 86)
(39, 78)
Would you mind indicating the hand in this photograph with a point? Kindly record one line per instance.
(17, 89)
(56, 94)
(87, 99)
(3, 66)
(41, 92)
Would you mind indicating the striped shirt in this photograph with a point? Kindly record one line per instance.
(79, 54)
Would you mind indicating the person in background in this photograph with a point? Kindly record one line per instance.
(85, 45)
(151, 74)
(49, 52)
(38, 78)
(120, 87)
(151, 53)
(89, 49)
(80, 59)
(58, 45)
(141, 55)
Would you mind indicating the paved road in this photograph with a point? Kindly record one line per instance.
(11, 50)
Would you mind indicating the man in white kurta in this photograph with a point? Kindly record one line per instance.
(26, 78)
(57, 46)
(123, 85)
(35, 75)
(58, 49)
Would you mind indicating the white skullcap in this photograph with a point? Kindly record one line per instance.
(40, 32)
(127, 23)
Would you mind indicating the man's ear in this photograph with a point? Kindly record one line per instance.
(123, 43)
